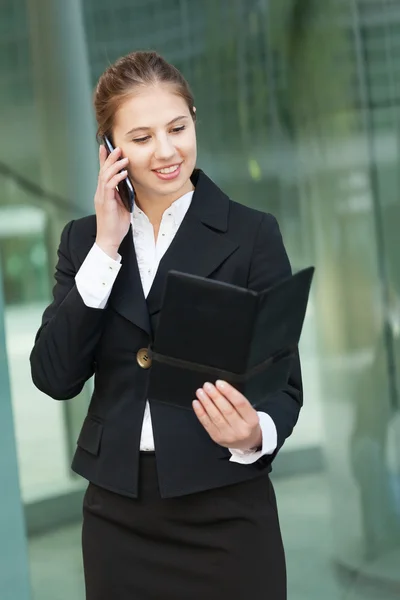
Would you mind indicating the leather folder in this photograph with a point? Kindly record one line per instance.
(211, 330)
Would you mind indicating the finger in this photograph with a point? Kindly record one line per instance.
(114, 181)
(102, 155)
(226, 408)
(212, 410)
(238, 401)
(205, 420)
(107, 172)
(111, 157)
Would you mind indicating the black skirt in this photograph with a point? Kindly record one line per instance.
(219, 544)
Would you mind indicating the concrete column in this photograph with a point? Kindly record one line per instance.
(67, 132)
(63, 95)
(14, 572)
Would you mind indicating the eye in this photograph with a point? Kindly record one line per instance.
(141, 140)
(178, 129)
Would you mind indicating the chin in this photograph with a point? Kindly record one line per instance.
(172, 188)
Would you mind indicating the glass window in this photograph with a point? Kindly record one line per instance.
(298, 115)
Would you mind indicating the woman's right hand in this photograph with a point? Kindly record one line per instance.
(113, 219)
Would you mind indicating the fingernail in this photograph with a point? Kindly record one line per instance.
(200, 392)
(221, 384)
(208, 386)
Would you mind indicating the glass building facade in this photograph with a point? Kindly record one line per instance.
(298, 114)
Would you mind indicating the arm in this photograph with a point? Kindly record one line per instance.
(224, 412)
(62, 359)
(63, 354)
(268, 442)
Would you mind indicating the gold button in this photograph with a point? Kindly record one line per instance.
(143, 358)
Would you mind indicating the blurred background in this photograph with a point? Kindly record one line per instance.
(298, 114)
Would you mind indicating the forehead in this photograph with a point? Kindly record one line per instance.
(152, 106)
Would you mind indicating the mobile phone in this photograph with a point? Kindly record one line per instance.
(125, 187)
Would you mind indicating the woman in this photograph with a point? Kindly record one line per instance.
(179, 504)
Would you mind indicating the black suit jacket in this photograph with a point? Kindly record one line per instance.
(219, 239)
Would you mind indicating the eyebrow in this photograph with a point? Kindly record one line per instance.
(147, 128)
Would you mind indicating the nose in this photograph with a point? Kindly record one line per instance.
(165, 149)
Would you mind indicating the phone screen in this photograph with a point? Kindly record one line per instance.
(125, 187)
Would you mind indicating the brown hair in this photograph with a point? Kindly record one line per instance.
(129, 72)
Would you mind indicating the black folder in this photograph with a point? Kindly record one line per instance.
(211, 330)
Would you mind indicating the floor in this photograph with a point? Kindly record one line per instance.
(56, 570)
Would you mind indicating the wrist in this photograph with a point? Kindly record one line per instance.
(110, 249)
(257, 444)
(253, 445)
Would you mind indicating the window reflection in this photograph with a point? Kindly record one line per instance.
(298, 105)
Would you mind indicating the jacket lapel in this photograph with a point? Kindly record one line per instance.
(127, 296)
(200, 245)
(199, 248)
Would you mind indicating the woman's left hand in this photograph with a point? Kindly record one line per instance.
(228, 416)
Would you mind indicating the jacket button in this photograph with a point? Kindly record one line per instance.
(143, 358)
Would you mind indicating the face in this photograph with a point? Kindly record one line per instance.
(155, 130)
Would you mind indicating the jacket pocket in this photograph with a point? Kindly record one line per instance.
(90, 436)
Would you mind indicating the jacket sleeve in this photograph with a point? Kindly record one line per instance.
(62, 358)
(270, 264)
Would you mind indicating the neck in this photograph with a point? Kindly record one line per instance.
(155, 205)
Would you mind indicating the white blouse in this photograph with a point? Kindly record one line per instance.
(99, 271)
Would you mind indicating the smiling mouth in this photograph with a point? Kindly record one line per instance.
(167, 170)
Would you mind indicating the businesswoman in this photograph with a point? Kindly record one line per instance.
(179, 504)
